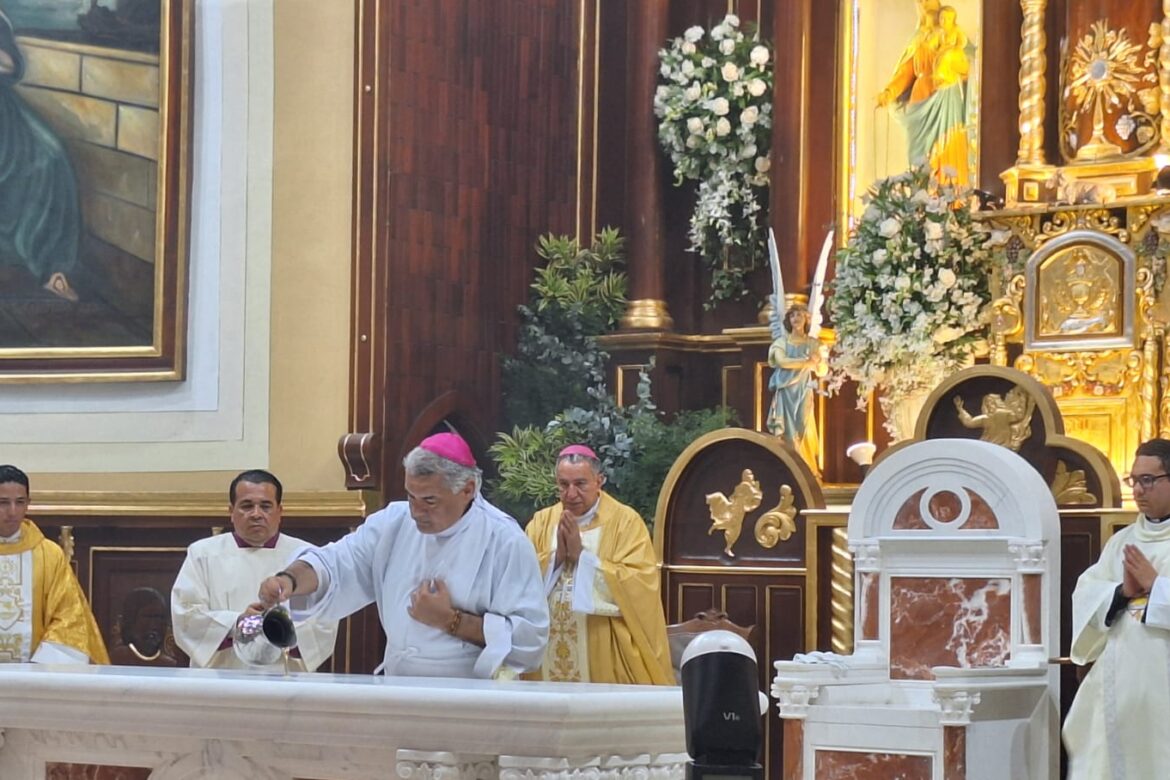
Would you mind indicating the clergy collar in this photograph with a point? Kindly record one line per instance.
(459, 524)
(590, 513)
(242, 543)
(1157, 520)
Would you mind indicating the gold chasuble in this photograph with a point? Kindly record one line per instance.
(42, 602)
(606, 621)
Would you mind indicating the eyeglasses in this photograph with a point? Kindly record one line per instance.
(1145, 480)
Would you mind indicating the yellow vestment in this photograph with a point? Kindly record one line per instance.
(626, 633)
(60, 611)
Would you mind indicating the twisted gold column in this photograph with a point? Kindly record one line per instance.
(1164, 79)
(1033, 67)
(1149, 389)
(841, 593)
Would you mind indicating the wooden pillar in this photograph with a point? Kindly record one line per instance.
(646, 226)
(792, 38)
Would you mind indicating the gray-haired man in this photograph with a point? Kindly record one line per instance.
(456, 581)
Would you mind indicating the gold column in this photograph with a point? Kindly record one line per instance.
(1164, 79)
(841, 593)
(1164, 403)
(1033, 67)
(1149, 390)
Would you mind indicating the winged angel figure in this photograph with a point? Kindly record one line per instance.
(1006, 420)
(797, 358)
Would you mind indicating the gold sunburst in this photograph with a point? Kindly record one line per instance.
(1105, 70)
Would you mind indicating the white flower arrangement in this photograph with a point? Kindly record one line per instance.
(911, 287)
(715, 110)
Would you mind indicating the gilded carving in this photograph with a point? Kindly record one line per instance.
(1106, 70)
(779, 522)
(1069, 488)
(727, 513)
(1005, 420)
(1033, 68)
(1078, 294)
(1098, 373)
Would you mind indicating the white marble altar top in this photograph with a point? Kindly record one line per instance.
(469, 716)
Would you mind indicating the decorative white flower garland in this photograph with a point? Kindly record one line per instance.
(715, 110)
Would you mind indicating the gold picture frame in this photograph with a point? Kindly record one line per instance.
(904, 66)
(93, 277)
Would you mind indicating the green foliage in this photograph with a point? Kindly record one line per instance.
(635, 444)
(556, 394)
(578, 294)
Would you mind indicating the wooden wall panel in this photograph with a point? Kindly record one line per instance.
(115, 555)
(467, 151)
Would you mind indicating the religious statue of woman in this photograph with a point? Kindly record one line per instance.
(798, 363)
(929, 88)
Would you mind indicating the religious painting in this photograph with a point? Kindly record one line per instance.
(910, 88)
(94, 189)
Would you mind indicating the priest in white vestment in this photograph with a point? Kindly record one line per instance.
(456, 582)
(217, 583)
(1116, 727)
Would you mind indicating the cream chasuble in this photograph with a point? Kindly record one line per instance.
(44, 615)
(1116, 726)
(607, 623)
(218, 580)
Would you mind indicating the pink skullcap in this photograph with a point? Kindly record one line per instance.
(578, 449)
(450, 446)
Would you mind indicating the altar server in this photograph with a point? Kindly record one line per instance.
(1121, 624)
(456, 582)
(217, 583)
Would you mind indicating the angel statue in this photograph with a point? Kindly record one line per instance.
(1006, 420)
(798, 360)
(727, 513)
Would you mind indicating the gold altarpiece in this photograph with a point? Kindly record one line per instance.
(1082, 304)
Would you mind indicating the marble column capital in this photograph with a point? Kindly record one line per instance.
(793, 699)
(956, 706)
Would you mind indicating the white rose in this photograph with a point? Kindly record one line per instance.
(660, 94)
(737, 89)
(890, 227)
(757, 87)
(688, 48)
(664, 69)
(694, 141)
(870, 214)
(688, 67)
(947, 277)
(879, 256)
(934, 231)
(763, 165)
(693, 92)
(720, 106)
(695, 125)
(722, 127)
(719, 32)
(731, 20)
(730, 71)
(693, 34)
(749, 115)
(759, 56)
(727, 46)
(902, 282)
(748, 152)
(707, 62)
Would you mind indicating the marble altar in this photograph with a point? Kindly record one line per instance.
(956, 547)
(197, 724)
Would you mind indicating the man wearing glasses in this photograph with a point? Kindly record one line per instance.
(1121, 624)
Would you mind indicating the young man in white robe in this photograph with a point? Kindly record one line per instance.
(456, 581)
(1121, 623)
(217, 583)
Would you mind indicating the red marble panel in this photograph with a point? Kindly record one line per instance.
(1032, 629)
(62, 771)
(847, 765)
(954, 753)
(870, 589)
(793, 750)
(945, 506)
(948, 621)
